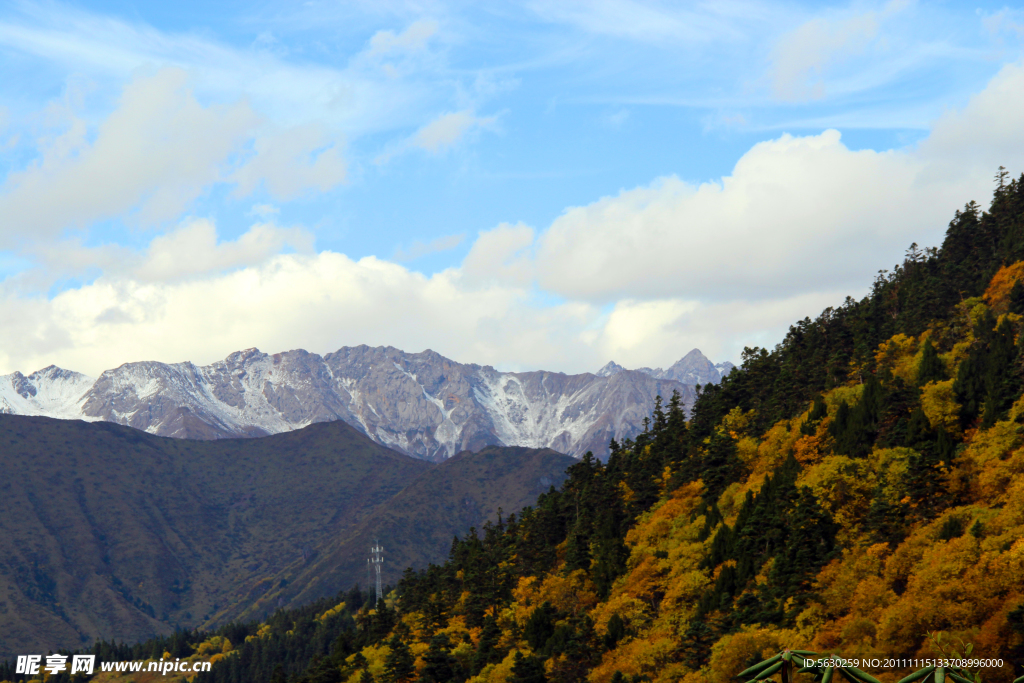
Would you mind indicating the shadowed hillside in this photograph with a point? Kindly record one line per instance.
(111, 532)
(416, 527)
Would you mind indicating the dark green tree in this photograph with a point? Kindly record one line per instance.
(399, 665)
(439, 666)
(487, 649)
(616, 631)
(527, 669)
(540, 626)
(720, 465)
(931, 369)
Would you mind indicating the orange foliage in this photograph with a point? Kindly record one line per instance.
(733, 653)
(572, 593)
(997, 294)
(991, 462)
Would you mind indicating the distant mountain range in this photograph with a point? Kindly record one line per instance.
(108, 532)
(421, 404)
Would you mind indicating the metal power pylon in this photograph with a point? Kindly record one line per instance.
(377, 560)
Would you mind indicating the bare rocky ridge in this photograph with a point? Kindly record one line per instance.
(693, 368)
(421, 404)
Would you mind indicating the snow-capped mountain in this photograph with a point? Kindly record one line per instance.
(50, 392)
(420, 403)
(693, 368)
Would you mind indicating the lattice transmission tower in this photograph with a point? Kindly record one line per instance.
(377, 559)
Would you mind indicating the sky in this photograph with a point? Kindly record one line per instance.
(528, 185)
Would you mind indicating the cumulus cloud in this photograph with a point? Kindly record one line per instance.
(795, 213)
(193, 249)
(154, 155)
(314, 301)
(501, 254)
(151, 157)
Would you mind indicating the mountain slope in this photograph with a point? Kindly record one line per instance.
(110, 532)
(416, 527)
(421, 404)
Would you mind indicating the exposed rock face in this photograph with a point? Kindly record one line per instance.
(693, 368)
(610, 368)
(422, 404)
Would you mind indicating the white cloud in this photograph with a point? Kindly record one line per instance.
(448, 129)
(318, 302)
(659, 332)
(441, 134)
(501, 255)
(1005, 22)
(152, 156)
(264, 211)
(193, 249)
(356, 97)
(164, 308)
(291, 162)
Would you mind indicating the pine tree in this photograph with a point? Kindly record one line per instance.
(616, 631)
(720, 465)
(540, 626)
(527, 669)
(399, 665)
(486, 650)
(931, 369)
(1017, 298)
(1001, 377)
(577, 551)
(439, 666)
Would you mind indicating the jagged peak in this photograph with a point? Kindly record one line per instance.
(609, 368)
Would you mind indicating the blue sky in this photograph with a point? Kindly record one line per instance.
(528, 185)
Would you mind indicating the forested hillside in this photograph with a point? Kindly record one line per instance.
(859, 489)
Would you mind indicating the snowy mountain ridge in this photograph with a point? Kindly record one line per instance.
(422, 404)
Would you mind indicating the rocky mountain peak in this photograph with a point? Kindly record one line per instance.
(693, 368)
(610, 368)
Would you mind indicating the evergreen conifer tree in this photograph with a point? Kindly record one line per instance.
(399, 665)
(439, 666)
(527, 669)
(720, 465)
(486, 650)
(931, 369)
